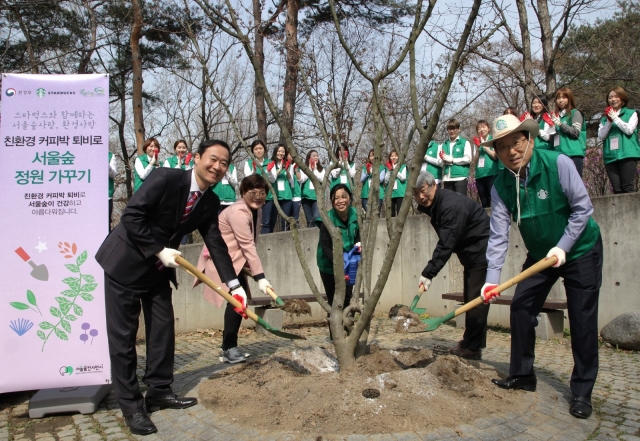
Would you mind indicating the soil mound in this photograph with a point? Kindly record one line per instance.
(406, 320)
(297, 307)
(301, 391)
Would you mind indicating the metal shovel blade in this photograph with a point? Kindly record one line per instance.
(39, 272)
(278, 332)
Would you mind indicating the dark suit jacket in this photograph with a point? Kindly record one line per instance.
(151, 222)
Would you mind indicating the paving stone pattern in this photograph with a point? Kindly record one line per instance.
(616, 397)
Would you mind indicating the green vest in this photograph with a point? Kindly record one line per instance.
(457, 171)
(628, 146)
(308, 190)
(544, 209)
(486, 166)
(366, 185)
(297, 191)
(282, 187)
(111, 183)
(349, 234)
(343, 178)
(137, 182)
(258, 171)
(398, 187)
(568, 146)
(432, 152)
(224, 190)
(540, 143)
(173, 162)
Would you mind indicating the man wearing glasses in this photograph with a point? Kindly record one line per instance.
(543, 193)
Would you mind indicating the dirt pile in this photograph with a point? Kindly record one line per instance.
(301, 391)
(297, 307)
(406, 320)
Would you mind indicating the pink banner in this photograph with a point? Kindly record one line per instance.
(55, 138)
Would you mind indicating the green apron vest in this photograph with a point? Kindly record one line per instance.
(627, 145)
(540, 143)
(432, 152)
(486, 166)
(343, 178)
(224, 190)
(137, 182)
(349, 234)
(111, 183)
(258, 171)
(173, 161)
(457, 171)
(568, 146)
(282, 187)
(366, 186)
(544, 208)
(398, 188)
(308, 190)
(297, 191)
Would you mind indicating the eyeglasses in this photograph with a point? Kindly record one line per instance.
(257, 194)
(516, 145)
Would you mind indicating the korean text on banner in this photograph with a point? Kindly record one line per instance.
(54, 152)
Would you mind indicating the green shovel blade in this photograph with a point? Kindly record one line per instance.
(419, 311)
(434, 323)
(416, 299)
(278, 332)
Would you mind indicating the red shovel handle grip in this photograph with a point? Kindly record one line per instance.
(22, 253)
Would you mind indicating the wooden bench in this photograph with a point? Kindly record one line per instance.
(275, 316)
(266, 301)
(550, 320)
(506, 300)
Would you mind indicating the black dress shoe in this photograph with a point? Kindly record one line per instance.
(466, 353)
(580, 407)
(525, 382)
(140, 424)
(170, 401)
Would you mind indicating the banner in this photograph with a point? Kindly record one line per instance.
(54, 199)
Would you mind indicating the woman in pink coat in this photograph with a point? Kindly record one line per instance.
(239, 225)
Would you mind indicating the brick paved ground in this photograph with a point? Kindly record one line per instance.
(616, 397)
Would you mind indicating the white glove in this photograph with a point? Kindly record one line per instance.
(486, 293)
(612, 114)
(424, 282)
(263, 284)
(168, 257)
(560, 254)
(556, 120)
(447, 158)
(359, 246)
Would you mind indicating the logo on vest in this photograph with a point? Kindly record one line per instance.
(543, 194)
(501, 124)
(458, 150)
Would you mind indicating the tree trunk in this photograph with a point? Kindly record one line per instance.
(546, 38)
(136, 64)
(261, 109)
(123, 143)
(27, 36)
(527, 62)
(203, 105)
(83, 67)
(291, 73)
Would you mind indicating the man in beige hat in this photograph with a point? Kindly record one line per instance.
(542, 192)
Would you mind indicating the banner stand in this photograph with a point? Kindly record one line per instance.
(80, 399)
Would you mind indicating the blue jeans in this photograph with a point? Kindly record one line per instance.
(311, 212)
(267, 208)
(287, 207)
(296, 211)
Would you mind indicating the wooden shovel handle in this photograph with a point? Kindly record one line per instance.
(270, 291)
(533, 269)
(211, 284)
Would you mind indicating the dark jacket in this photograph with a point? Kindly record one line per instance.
(152, 221)
(462, 226)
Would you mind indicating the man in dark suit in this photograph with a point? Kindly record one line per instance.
(138, 258)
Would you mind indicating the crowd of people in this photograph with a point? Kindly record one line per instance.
(528, 170)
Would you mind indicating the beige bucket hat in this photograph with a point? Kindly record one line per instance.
(506, 124)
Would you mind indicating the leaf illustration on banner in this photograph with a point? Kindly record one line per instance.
(67, 304)
(31, 299)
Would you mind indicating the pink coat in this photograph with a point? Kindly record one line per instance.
(236, 227)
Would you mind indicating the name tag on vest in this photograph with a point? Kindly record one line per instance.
(556, 140)
(311, 187)
(424, 166)
(225, 181)
(280, 185)
(481, 162)
(614, 143)
(343, 179)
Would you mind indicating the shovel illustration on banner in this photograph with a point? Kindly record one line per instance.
(39, 272)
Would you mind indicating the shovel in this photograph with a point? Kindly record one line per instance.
(416, 299)
(434, 323)
(236, 304)
(270, 291)
(38, 272)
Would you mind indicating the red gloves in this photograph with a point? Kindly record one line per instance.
(389, 165)
(313, 163)
(488, 295)
(240, 311)
(369, 167)
(188, 159)
(156, 155)
(547, 118)
(476, 141)
(606, 112)
(441, 154)
(271, 165)
(524, 116)
(286, 165)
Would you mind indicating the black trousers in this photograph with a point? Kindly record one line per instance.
(457, 186)
(582, 281)
(483, 185)
(622, 175)
(578, 161)
(396, 203)
(233, 320)
(123, 305)
(110, 212)
(475, 320)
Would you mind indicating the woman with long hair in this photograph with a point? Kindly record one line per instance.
(309, 198)
(571, 128)
(345, 171)
(619, 134)
(539, 111)
(366, 178)
(146, 162)
(279, 175)
(259, 150)
(399, 185)
(182, 158)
